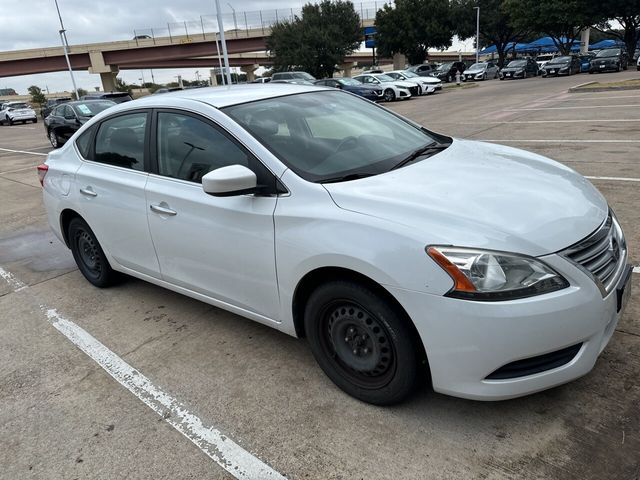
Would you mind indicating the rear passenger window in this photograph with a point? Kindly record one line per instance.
(189, 148)
(84, 142)
(120, 141)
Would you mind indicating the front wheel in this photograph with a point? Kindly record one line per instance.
(361, 342)
(88, 254)
(389, 95)
(9, 121)
(53, 138)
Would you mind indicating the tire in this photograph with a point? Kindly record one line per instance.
(342, 317)
(89, 256)
(449, 78)
(9, 121)
(525, 74)
(389, 95)
(54, 139)
(35, 120)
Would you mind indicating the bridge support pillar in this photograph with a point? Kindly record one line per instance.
(108, 81)
(399, 61)
(346, 69)
(213, 77)
(250, 71)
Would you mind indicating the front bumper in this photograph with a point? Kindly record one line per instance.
(467, 341)
(510, 75)
(470, 77)
(604, 67)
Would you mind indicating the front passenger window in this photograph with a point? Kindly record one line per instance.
(120, 141)
(189, 148)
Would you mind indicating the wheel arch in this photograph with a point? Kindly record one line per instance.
(66, 216)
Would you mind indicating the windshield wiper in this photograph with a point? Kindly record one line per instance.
(427, 150)
(347, 177)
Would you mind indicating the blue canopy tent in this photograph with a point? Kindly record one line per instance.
(608, 43)
(541, 45)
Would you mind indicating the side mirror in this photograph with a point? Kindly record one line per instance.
(229, 181)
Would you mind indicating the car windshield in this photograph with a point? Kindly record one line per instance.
(611, 52)
(89, 109)
(410, 74)
(445, 66)
(385, 78)
(329, 135)
(18, 105)
(349, 81)
(517, 63)
(559, 60)
(477, 66)
(304, 76)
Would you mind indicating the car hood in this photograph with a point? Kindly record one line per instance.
(429, 80)
(475, 70)
(512, 69)
(401, 83)
(482, 195)
(556, 65)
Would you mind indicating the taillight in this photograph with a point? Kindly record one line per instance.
(42, 172)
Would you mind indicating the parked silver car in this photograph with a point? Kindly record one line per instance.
(481, 71)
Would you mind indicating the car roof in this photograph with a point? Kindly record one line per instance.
(221, 97)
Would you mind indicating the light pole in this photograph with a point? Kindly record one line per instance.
(235, 23)
(477, 34)
(223, 42)
(65, 47)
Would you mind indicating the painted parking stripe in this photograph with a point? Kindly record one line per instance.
(636, 269)
(569, 108)
(217, 446)
(22, 151)
(19, 170)
(617, 179)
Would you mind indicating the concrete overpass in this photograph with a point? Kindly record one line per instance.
(247, 49)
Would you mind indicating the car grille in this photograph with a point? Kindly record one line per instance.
(603, 254)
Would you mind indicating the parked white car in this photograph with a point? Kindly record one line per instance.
(428, 84)
(392, 89)
(392, 249)
(481, 71)
(13, 112)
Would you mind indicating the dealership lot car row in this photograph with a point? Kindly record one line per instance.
(175, 159)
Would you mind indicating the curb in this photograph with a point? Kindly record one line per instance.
(584, 88)
(462, 86)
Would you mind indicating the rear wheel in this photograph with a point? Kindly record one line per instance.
(88, 254)
(389, 95)
(53, 138)
(361, 342)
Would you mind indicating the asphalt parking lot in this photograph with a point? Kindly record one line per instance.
(63, 416)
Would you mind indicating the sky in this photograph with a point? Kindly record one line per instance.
(30, 24)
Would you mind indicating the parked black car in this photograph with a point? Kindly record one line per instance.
(118, 97)
(350, 85)
(447, 71)
(67, 118)
(610, 59)
(424, 70)
(565, 65)
(521, 68)
(51, 104)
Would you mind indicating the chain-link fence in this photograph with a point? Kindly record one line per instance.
(236, 23)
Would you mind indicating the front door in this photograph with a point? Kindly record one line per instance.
(222, 247)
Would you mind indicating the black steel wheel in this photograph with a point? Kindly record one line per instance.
(361, 342)
(88, 254)
(389, 95)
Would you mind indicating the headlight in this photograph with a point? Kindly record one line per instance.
(491, 276)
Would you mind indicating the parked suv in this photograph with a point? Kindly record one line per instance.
(118, 97)
(610, 59)
(424, 69)
(447, 71)
(51, 104)
(13, 112)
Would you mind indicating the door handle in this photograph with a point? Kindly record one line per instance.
(88, 192)
(163, 210)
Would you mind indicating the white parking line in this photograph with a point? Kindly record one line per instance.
(219, 447)
(594, 97)
(19, 170)
(22, 151)
(506, 140)
(568, 108)
(617, 179)
(636, 269)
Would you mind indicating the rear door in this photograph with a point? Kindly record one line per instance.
(111, 184)
(221, 247)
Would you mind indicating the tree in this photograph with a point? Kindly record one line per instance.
(413, 27)
(121, 86)
(627, 14)
(318, 40)
(81, 93)
(496, 25)
(563, 21)
(37, 97)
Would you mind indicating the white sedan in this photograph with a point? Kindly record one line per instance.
(392, 89)
(402, 255)
(428, 84)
